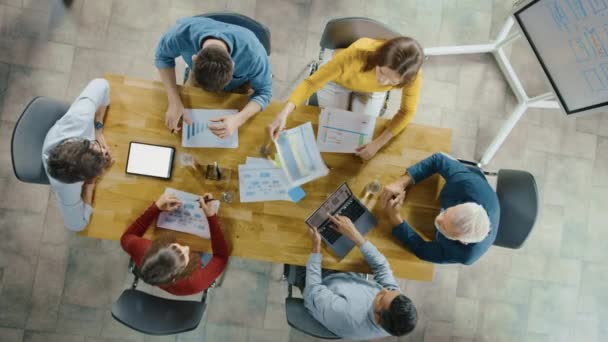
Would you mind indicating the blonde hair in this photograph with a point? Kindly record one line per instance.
(470, 222)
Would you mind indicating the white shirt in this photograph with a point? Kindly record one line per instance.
(78, 122)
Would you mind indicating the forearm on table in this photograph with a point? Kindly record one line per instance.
(100, 114)
(167, 76)
(248, 111)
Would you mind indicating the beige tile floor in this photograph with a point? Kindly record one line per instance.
(55, 286)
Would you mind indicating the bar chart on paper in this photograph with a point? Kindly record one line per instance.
(197, 134)
(342, 131)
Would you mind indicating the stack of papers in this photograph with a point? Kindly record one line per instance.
(189, 218)
(261, 180)
(299, 155)
(198, 134)
(343, 131)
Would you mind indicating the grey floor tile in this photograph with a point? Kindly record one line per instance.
(465, 317)
(240, 305)
(81, 320)
(33, 336)
(552, 308)
(497, 318)
(11, 335)
(112, 329)
(275, 317)
(258, 335)
(220, 333)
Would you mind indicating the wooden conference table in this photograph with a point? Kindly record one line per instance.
(270, 231)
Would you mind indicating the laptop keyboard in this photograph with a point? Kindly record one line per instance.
(352, 210)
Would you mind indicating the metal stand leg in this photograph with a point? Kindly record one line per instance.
(496, 48)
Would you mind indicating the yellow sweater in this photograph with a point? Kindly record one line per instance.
(345, 69)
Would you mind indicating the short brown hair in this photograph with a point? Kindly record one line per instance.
(159, 265)
(212, 68)
(402, 54)
(75, 160)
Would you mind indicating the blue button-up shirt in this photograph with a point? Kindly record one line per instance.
(343, 302)
(251, 63)
(462, 185)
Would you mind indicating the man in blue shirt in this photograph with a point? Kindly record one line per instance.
(350, 306)
(468, 222)
(221, 57)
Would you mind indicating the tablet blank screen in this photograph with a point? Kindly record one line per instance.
(150, 160)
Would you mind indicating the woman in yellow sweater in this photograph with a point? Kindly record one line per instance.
(357, 79)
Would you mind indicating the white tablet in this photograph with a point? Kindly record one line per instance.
(150, 160)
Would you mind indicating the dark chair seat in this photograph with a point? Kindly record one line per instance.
(518, 197)
(28, 137)
(153, 315)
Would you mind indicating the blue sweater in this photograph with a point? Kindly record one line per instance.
(251, 63)
(462, 185)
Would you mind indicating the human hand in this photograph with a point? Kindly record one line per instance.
(277, 125)
(346, 227)
(226, 125)
(367, 151)
(393, 211)
(174, 112)
(206, 204)
(394, 192)
(105, 148)
(168, 202)
(316, 240)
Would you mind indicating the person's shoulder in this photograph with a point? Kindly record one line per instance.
(366, 44)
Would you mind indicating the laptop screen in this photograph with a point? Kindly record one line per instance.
(331, 205)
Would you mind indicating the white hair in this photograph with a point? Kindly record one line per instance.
(470, 222)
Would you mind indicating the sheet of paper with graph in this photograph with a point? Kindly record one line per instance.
(198, 134)
(343, 131)
(299, 155)
(189, 218)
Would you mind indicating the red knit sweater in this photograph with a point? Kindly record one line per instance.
(134, 244)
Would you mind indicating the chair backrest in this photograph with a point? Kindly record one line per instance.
(339, 33)
(260, 30)
(153, 315)
(300, 319)
(29, 134)
(518, 198)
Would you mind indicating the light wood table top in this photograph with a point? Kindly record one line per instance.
(269, 231)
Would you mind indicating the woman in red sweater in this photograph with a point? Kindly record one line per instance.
(167, 264)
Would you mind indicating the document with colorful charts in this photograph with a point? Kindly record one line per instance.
(299, 155)
(189, 218)
(261, 180)
(342, 131)
(198, 134)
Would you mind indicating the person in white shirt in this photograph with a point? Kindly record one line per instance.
(75, 153)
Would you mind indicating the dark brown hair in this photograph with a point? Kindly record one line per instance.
(159, 265)
(75, 160)
(212, 68)
(402, 54)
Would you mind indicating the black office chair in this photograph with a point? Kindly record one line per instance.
(28, 137)
(153, 315)
(518, 198)
(298, 316)
(339, 33)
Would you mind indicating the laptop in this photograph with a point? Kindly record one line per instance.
(341, 202)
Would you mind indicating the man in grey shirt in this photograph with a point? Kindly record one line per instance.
(75, 153)
(353, 307)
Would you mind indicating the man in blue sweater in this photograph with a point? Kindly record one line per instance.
(221, 57)
(468, 221)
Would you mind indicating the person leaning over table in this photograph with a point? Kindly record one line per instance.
(167, 264)
(221, 57)
(351, 306)
(365, 70)
(75, 153)
(468, 222)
